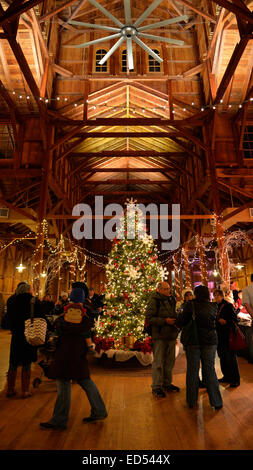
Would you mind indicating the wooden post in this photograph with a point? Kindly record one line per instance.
(85, 98)
(42, 210)
(202, 259)
(223, 255)
(177, 280)
(187, 269)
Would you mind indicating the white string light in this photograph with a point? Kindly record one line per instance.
(105, 105)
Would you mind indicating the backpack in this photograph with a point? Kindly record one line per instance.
(147, 330)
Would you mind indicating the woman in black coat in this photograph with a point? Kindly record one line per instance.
(202, 348)
(21, 353)
(226, 318)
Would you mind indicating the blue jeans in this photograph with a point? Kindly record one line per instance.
(163, 363)
(205, 354)
(62, 404)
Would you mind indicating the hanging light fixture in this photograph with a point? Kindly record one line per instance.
(215, 272)
(20, 268)
(43, 274)
(239, 266)
(129, 32)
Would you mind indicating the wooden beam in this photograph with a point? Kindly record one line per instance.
(193, 71)
(127, 154)
(238, 11)
(62, 71)
(198, 11)
(25, 214)
(67, 137)
(234, 60)
(19, 174)
(8, 99)
(126, 182)
(238, 210)
(217, 29)
(236, 189)
(12, 13)
(57, 10)
(235, 173)
(195, 120)
(130, 170)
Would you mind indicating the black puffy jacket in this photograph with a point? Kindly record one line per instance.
(206, 313)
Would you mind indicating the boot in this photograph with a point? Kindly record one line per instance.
(11, 379)
(25, 381)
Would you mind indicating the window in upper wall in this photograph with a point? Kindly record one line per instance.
(100, 53)
(124, 61)
(248, 142)
(153, 65)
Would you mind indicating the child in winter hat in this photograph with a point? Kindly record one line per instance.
(74, 312)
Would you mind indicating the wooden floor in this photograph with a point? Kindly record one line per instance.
(136, 419)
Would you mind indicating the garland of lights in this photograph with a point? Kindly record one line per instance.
(133, 109)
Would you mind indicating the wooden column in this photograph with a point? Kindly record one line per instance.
(202, 259)
(42, 211)
(72, 273)
(177, 278)
(223, 255)
(85, 98)
(187, 268)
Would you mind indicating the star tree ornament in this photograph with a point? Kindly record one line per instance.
(129, 32)
(132, 272)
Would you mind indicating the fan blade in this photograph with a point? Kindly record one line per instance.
(106, 13)
(164, 23)
(127, 7)
(160, 38)
(147, 49)
(147, 12)
(92, 25)
(96, 41)
(130, 57)
(111, 51)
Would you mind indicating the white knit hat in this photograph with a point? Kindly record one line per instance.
(187, 290)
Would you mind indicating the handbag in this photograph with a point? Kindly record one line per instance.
(236, 339)
(189, 334)
(35, 328)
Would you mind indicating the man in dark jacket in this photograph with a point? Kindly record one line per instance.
(160, 309)
(226, 318)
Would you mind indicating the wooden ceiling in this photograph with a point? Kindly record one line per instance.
(148, 134)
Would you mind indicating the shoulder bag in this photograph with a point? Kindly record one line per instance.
(35, 328)
(236, 338)
(189, 334)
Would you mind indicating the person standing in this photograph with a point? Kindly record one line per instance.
(245, 324)
(70, 363)
(247, 296)
(226, 318)
(21, 353)
(160, 309)
(203, 349)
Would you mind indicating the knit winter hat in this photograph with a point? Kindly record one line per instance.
(81, 285)
(77, 295)
(187, 291)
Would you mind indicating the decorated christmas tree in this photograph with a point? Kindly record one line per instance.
(132, 273)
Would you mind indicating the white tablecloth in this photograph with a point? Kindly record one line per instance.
(145, 359)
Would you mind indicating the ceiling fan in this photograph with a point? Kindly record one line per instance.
(129, 31)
